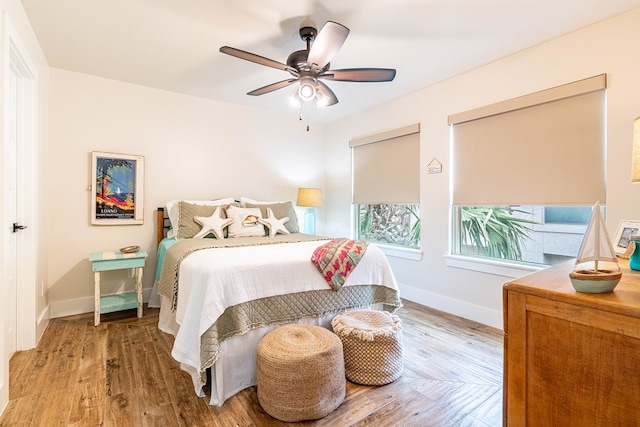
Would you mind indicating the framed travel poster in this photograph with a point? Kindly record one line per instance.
(117, 189)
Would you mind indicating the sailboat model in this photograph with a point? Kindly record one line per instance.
(596, 269)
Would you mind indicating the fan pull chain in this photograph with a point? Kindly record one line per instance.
(300, 115)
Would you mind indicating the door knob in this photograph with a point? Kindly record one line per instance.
(17, 227)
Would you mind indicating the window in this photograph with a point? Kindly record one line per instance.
(386, 187)
(527, 234)
(567, 214)
(390, 224)
(544, 154)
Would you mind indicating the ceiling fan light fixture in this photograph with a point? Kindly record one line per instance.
(322, 100)
(307, 89)
(294, 100)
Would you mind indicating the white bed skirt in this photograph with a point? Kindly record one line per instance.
(235, 370)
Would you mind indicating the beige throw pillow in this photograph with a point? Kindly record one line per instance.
(172, 210)
(187, 225)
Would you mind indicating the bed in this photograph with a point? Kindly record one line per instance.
(230, 271)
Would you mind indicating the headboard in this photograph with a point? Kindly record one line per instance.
(162, 224)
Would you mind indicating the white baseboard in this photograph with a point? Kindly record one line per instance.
(477, 313)
(81, 305)
(70, 307)
(42, 322)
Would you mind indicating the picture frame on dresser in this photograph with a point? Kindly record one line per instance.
(626, 228)
(117, 189)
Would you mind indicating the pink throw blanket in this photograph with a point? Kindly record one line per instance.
(337, 259)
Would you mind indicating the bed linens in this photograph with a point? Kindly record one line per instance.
(213, 283)
(168, 281)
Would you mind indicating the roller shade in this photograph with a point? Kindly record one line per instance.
(546, 148)
(386, 167)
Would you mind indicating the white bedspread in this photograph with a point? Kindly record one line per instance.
(211, 280)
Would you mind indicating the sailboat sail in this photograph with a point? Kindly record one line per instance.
(596, 245)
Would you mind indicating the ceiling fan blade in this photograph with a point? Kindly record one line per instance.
(325, 97)
(252, 57)
(272, 87)
(360, 75)
(327, 43)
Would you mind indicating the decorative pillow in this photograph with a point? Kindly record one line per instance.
(172, 210)
(187, 212)
(274, 224)
(280, 209)
(245, 222)
(212, 224)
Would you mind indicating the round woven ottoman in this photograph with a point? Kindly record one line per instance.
(372, 346)
(300, 372)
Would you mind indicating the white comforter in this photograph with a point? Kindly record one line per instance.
(211, 280)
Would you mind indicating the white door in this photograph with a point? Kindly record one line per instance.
(9, 216)
(8, 335)
(19, 204)
(10, 205)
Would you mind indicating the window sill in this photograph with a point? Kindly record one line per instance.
(398, 252)
(498, 268)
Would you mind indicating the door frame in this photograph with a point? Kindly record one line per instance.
(17, 58)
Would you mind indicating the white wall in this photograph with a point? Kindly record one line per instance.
(609, 47)
(193, 148)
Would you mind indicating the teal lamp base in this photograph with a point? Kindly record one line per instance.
(310, 221)
(634, 259)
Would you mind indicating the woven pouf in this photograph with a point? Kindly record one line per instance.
(372, 345)
(300, 372)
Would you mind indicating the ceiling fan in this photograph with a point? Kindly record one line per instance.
(310, 66)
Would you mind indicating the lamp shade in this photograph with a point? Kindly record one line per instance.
(635, 159)
(309, 197)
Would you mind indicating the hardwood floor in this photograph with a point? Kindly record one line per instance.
(121, 374)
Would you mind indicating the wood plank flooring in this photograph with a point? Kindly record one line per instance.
(121, 374)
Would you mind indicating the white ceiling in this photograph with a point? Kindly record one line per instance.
(173, 44)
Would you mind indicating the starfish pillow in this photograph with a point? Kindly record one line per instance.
(274, 224)
(212, 224)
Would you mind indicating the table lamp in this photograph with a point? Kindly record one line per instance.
(309, 198)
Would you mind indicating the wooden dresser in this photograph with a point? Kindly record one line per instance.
(571, 359)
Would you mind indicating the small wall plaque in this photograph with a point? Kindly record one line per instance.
(434, 166)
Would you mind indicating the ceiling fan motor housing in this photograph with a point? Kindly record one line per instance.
(298, 60)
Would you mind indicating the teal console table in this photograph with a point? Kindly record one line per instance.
(105, 261)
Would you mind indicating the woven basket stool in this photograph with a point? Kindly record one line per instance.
(372, 346)
(300, 372)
